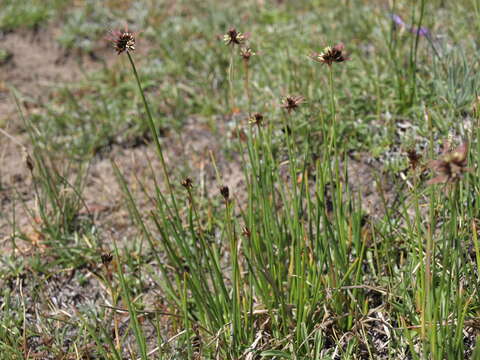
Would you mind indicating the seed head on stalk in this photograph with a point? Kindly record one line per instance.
(451, 165)
(330, 55)
(291, 103)
(233, 37)
(123, 40)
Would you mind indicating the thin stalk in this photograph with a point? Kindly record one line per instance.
(231, 95)
(246, 85)
(154, 131)
(292, 163)
(413, 55)
(477, 12)
(333, 111)
(333, 132)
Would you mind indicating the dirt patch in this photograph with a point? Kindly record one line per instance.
(367, 179)
(33, 66)
(187, 154)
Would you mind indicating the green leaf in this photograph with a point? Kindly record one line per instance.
(276, 353)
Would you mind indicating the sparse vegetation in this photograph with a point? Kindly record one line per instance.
(204, 190)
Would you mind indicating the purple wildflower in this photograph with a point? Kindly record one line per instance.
(421, 31)
(398, 20)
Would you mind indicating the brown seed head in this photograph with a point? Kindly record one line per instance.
(225, 192)
(106, 258)
(123, 40)
(187, 183)
(330, 55)
(451, 166)
(246, 53)
(413, 158)
(291, 103)
(28, 160)
(246, 232)
(256, 119)
(233, 37)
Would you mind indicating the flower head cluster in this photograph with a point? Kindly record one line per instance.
(28, 160)
(413, 158)
(187, 183)
(291, 103)
(233, 37)
(451, 166)
(256, 119)
(225, 192)
(246, 53)
(330, 55)
(106, 258)
(123, 40)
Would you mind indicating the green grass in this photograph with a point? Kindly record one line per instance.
(289, 265)
(30, 14)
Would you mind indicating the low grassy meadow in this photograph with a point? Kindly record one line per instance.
(240, 180)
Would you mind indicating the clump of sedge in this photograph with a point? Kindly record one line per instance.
(330, 55)
(451, 166)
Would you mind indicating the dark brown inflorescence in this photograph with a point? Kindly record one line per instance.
(246, 231)
(123, 40)
(106, 258)
(225, 192)
(256, 119)
(28, 160)
(451, 166)
(291, 103)
(330, 55)
(246, 53)
(233, 37)
(187, 183)
(413, 158)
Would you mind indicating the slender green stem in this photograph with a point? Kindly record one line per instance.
(333, 110)
(235, 299)
(154, 131)
(477, 12)
(247, 86)
(230, 80)
(413, 55)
